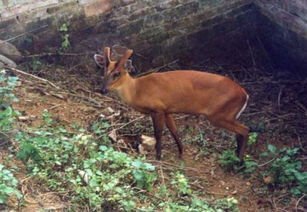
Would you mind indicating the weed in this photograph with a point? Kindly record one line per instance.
(249, 165)
(181, 183)
(252, 138)
(7, 85)
(7, 113)
(230, 162)
(285, 170)
(65, 44)
(36, 64)
(47, 118)
(83, 163)
(8, 185)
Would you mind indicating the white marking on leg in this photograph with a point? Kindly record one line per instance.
(243, 108)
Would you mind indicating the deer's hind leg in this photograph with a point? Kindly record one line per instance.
(158, 119)
(172, 128)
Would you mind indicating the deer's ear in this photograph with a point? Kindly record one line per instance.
(100, 60)
(128, 66)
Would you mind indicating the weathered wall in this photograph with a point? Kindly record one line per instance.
(31, 18)
(283, 30)
(168, 29)
(162, 29)
(150, 26)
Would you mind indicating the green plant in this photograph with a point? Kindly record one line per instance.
(285, 170)
(142, 176)
(7, 113)
(7, 85)
(228, 160)
(181, 182)
(249, 165)
(47, 118)
(198, 204)
(98, 175)
(228, 204)
(200, 140)
(36, 64)
(8, 185)
(252, 139)
(65, 44)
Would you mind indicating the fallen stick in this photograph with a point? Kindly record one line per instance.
(31, 75)
(157, 69)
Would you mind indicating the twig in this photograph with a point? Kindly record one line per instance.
(13, 38)
(156, 69)
(88, 99)
(266, 162)
(55, 106)
(33, 76)
(301, 106)
(252, 54)
(265, 52)
(298, 201)
(130, 122)
(279, 96)
(176, 166)
(59, 54)
(162, 175)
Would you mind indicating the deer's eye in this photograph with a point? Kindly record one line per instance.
(116, 75)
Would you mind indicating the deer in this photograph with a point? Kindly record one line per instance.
(160, 95)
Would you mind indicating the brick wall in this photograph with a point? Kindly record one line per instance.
(140, 23)
(160, 29)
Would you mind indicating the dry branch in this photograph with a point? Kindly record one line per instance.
(17, 71)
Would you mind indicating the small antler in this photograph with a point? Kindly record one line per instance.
(117, 52)
(124, 58)
(106, 53)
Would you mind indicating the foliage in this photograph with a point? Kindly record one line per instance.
(94, 172)
(181, 183)
(65, 44)
(198, 204)
(7, 113)
(249, 165)
(8, 185)
(84, 164)
(252, 138)
(36, 64)
(228, 160)
(7, 85)
(97, 176)
(285, 170)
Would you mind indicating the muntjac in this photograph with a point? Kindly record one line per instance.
(160, 95)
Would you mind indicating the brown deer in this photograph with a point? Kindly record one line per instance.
(217, 97)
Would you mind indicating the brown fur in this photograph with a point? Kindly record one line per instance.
(162, 94)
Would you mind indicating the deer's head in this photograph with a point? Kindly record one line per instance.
(115, 65)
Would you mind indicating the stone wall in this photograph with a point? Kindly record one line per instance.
(283, 30)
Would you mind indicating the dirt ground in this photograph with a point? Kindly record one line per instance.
(277, 111)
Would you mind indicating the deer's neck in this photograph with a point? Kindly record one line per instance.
(126, 90)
